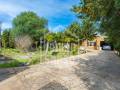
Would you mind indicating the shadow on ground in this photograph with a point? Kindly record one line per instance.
(4, 59)
(6, 73)
(100, 72)
(53, 86)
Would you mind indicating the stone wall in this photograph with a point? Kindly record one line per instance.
(97, 40)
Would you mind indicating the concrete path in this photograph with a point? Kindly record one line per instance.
(92, 71)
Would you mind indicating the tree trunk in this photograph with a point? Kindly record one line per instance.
(47, 47)
(56, 46)
(78, 46)
(62, 46)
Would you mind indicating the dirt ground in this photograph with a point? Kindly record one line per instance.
(96, 70)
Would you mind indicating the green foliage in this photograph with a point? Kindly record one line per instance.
(111, 22)
(17, 57)
(94, 9)
(88, 29)
(77, 32)
(50, 37)
(13, 63)
(5, 38)
(107, 12)
(8, 65)
(74, 50)
(117, 4)
(29, 23)
(73, 32)
(60, 37)
(8, 39)
(11, 39)
(35, 61)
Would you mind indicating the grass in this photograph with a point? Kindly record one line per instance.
(20, 59)
(14, 63)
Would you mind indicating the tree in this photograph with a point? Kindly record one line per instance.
(107, 12)
(94, 9)
(59, 37)
(78, 31)
(110, 24)
(49, 38)
(11, 39)
(8, 38)
(5, 38)
(31, 24)
(73, 32)
(88, 29)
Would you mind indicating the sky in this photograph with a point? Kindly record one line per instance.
(57, 12)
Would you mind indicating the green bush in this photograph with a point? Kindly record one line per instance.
(35, 61)
(74, 50)
(10, 64)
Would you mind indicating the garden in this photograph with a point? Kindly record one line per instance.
(29, 41)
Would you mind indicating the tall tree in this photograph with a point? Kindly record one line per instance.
(8, 40)
(29, 23)
(107, 12)
(5, 38)
(49, 38)
(73, 32)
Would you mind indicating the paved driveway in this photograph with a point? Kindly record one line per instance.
(92, 71)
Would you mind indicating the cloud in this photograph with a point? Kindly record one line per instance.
(56, 11)
(5, 17)
(6, 25)
(58, 28)
(9, 10)
(12, 9)
(54, 7)
(44, 8)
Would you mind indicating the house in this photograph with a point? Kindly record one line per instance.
(95, 44)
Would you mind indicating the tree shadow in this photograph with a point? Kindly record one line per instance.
(4, 59)
(15, 68)
(100, 72)
(53, 86)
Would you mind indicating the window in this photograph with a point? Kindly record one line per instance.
(91, 43)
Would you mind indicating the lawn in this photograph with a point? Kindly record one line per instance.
(15, 58)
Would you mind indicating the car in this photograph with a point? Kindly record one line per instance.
(106, 47)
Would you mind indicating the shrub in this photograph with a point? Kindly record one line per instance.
(5, 38)
(14, 63)
(23, 42)
(75, 50)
